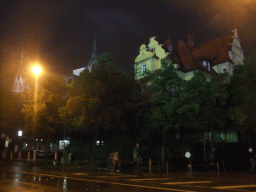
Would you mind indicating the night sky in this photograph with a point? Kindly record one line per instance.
(59, 34)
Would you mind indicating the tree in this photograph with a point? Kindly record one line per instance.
(186, 109)
(162, 85)
(40, 115)
(243, 101)
(104, 98)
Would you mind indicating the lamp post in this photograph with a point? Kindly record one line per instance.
(36, 70)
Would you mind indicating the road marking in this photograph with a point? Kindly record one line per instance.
(234, 186)
(112, 176)
(188, 182)
(124, 184)
(80, 174)
(149, 179)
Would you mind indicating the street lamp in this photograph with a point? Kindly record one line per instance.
(36, 70)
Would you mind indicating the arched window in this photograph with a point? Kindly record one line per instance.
(143, 69)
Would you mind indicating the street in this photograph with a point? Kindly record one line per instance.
(19, 176)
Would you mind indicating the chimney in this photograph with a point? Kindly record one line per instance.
(180, 43)
(168, 44)
(191, 40)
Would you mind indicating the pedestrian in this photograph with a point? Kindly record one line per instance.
(116, 161)
(252, 159)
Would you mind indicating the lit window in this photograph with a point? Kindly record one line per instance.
(143, 69)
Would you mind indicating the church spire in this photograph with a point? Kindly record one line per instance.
(19, 82)
(93, 59)
(94, 53)
(19, 72)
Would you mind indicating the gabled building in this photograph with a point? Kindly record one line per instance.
(214, 57)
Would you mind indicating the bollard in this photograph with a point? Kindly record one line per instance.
(218, 169)
(28, 155)
(19, 155)
(190, 169)
(70, 158)
(167, 168)
(149, 165)
(55, 156)
(11, 155)
(34, 155)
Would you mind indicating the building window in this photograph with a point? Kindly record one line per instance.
(204, 63)
(209, 66)
(143, 55)
(143, 69)
(153, 48)
(224, 70)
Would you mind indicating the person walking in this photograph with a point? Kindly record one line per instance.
(116, 161)
(252, 159)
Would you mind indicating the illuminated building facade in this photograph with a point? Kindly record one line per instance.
(214, 57)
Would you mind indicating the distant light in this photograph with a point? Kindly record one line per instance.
(36, 139)
(19, 133)
(41, 139)
(187, 154)
(97, 142)
(36, 70)
(26, 144)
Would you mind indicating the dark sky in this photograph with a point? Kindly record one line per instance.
(59, 34)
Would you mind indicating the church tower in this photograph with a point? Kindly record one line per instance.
(93, 60)
(19, 84)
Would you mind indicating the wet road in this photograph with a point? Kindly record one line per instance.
(19, 176)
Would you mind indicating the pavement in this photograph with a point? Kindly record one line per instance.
(28, 176)
(235, 176)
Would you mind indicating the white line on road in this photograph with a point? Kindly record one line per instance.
(188, 182)
(149, 179)
(234, 186)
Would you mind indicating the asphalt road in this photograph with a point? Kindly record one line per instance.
(19, 176)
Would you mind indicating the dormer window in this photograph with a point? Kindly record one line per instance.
(207, 64)
(143, 69)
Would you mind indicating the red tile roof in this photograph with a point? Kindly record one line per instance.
(215, 51)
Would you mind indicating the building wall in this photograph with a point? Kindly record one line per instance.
(151, 57)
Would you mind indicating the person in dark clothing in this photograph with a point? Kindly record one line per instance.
(252, 156)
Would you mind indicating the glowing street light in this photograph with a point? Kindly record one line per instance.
(36, 70)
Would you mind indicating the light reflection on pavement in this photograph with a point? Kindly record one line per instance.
(19, 176)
